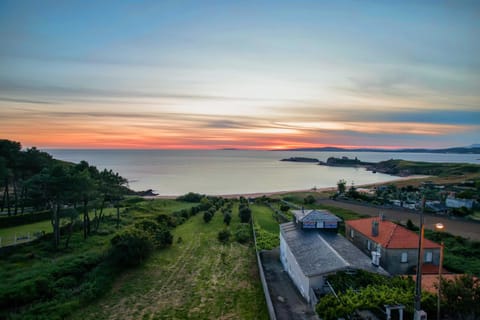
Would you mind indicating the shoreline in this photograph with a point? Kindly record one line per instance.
(273, 193)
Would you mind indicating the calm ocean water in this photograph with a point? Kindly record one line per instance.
(220, 172)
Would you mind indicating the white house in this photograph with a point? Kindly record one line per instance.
(316, 219)
(309, 256)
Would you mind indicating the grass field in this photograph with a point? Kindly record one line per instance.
(263, 216)
(196, 278)
(8, 234)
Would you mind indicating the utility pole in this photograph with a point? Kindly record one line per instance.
(419, 313)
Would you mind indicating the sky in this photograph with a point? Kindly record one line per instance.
(240, 74)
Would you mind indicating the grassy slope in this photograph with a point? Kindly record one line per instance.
(37, 260)
(198, 278)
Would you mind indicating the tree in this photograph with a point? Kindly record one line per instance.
(10, 152)
(207, 216)
(159, 233)
(111, 187)
(85, 189)
(245, 214)
(227, 217)
(309, 199)
(460, 297)
(341, 186)
(284, 208)
(130, 247)
(224, 236)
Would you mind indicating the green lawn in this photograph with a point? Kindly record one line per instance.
(196, 278)
(8, 234)
(264, 217)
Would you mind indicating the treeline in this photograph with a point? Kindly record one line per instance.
(33, 179)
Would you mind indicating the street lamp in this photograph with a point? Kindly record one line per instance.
(439, 227)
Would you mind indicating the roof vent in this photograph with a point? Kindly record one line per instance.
(374, 228)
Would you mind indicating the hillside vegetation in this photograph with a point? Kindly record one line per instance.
(404, 168)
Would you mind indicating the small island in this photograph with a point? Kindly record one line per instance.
(301, 159)
(345, 162)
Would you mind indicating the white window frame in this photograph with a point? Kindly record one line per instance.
(369, 245)
(404, 257)
(352, 233)
(428, 256)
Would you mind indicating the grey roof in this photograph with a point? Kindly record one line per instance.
(316, 215)
(323, 252)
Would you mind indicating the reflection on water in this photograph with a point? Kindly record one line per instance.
(173, 172)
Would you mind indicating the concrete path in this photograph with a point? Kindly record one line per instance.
(287, 301)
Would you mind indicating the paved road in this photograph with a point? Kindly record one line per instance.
(456, 227)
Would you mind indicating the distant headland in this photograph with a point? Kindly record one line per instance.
(472, 149)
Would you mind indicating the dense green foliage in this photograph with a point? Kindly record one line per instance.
(131, 246)
(243, 233)
(426, 168)
(40, 282)
(224, 236)
(366, 291)
(245, 213)
(460, 255)
(460, 297)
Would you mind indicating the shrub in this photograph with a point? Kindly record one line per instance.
(130, 247)
(309, 199)
(207, 216)
(190, 197)
(159, 233)
(224, 236)
(245, 214)
(227, 217)
(242, 233)
(166, 220)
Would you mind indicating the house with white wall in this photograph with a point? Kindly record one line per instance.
(309, 256)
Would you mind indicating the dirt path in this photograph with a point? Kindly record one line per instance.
(456, 227)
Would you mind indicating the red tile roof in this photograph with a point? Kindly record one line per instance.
(390, 235)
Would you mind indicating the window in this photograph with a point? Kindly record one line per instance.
(352, 233)
(428, 256)
(404, 257)
(369, 245)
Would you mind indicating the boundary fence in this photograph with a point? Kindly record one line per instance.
(266, 292)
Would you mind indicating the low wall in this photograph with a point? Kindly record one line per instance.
(266, 292)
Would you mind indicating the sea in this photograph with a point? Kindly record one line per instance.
(225, 172)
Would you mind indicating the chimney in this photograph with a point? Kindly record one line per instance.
(374, 228)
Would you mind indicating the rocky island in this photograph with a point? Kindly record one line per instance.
(345, 162)
(301, 159)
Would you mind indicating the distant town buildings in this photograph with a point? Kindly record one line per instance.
(452, 202)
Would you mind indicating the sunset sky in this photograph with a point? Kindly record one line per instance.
(243, 74)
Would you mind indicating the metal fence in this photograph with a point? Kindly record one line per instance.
(19, 238)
